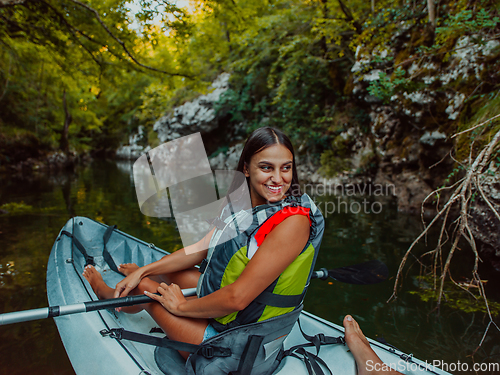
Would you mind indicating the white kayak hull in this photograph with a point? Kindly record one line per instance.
(92, 353)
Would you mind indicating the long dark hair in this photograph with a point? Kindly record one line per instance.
(263, 138)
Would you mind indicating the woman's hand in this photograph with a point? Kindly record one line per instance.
(170, 297)
(130, 282)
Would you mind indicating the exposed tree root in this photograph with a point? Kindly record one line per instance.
(462, 193)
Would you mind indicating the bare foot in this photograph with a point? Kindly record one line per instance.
(127, 268)
(366, 359)
(95, 280)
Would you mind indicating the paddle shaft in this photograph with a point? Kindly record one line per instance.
(53, 311)
(356, 274)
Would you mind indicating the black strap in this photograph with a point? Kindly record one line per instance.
(321, 339)
(206, 351)
(88, 259)
(105, 253)
(249, 354)
(278, 300)
(311, 360)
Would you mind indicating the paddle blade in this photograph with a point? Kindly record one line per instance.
(371, 272)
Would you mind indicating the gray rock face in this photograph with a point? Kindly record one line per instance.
(227, 160)
(430, 138)
(136, 147)
(191, 117)
(195, 116)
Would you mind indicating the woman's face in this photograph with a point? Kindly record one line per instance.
(270, 173)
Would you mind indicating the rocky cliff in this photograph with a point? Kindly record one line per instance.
(414, 106)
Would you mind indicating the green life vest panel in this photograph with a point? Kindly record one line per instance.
(228, 255)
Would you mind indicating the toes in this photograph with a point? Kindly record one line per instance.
(348, 322)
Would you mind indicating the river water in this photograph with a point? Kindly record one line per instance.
(370, 229)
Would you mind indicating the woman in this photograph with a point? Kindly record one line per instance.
(278, 261)
(268, 163)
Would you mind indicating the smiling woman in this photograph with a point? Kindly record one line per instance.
(268, 162)
(239, 284)
(253, 279)
(270, 174)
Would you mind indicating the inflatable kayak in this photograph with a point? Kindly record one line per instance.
(93, 352)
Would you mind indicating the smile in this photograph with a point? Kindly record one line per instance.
(274, 189)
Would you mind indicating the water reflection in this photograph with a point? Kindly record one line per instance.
(104, 191)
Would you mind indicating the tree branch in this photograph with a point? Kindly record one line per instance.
(349, 16)
(122, 44)
(72, 30)
(476, 126)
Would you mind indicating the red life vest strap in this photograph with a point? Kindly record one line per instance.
(277, 218)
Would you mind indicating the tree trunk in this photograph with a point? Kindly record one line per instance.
(63, 142)
(431, 6)
(324, 47)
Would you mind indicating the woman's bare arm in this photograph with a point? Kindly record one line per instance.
(277, 252)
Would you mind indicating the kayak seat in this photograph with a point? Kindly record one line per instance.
(169, 361)
(254, 348)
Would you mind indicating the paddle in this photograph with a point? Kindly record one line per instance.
(53, 311)
(370, 272)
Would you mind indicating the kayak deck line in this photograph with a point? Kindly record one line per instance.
(66, 286)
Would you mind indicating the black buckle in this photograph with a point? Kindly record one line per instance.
(89, 260)
(207, 352)
(203, 265)
(321, 338)
(114, 333)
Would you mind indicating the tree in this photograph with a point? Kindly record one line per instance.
(57, 57)
(432, 12)
(62, 25)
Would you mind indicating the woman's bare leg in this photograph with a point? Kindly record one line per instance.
(185, 279)
(103, 291)
(364, 355)
(176, 328)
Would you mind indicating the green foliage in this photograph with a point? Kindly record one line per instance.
(466, 21)
(290, 63)
(331, 164)
(388, 21)
(14, 208)
(385, 87)
(54, 50)
(486, 107)
(281, 77)
(466, 298)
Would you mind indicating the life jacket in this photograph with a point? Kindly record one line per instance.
(251, 341)
(228, 254)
